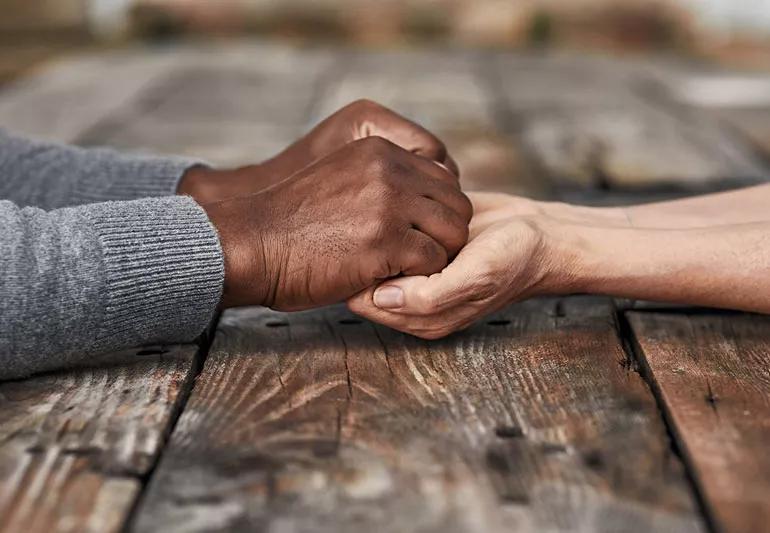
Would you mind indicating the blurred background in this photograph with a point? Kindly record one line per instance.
(594, 100)
(732, 30)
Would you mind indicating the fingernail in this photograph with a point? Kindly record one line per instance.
(389, 297)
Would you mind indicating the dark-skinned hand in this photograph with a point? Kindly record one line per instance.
(356, 121)
(365, 213)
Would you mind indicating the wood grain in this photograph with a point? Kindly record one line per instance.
(317, 421)
(609, 123)
(75, 445)
(68, 97)
(447, 92)
(712, 373)
(230, 105)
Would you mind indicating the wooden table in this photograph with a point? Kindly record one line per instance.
(563, 414)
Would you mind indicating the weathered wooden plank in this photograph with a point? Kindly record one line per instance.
(230, 103)
(530, 421)
(17, 58)
(66, 98)
(438, 89)
(737, 99)
(74, 445)
(753, 123)
(712, 373)
(234, 105)
(607, 124)
(448, 93)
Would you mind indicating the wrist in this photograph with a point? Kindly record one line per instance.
(245, 260)
(564, 256)
(588, 215)
(193, 181)
(207, 185)
(613, 260)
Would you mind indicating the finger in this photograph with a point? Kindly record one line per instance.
(443, 224)
(420, 254)
(409, 135)
(427, 145)
(426, 327)
(463, 280)
(451, 165)
(436, 169)
(446, 194)
(405, 133)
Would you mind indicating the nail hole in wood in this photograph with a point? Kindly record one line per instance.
(509, 432)
(324, 449)
(514, 499)
(152, 351)
(350, 321)
(276, 324)
(497, 461)
(594, 459)
(499, 322)
(553, 448)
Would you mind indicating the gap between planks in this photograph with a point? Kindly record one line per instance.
(709, 370)
(199, 361)
(636, 357)
(254, 451)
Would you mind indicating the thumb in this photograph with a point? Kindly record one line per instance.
(427, 295)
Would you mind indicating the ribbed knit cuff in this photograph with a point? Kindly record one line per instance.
(164, 269)
(117, 177)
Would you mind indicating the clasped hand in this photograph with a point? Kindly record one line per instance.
(367, 208)
(364, 197)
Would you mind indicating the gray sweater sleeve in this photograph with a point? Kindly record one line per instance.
(103, 274)
(85, 280)
(50, 175)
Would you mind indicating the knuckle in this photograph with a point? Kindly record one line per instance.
(377, 154)
(364, 104)
(434, 147)
(376, 168)
(459, 236)
(382, 270)
(375, 144)
(429, 253)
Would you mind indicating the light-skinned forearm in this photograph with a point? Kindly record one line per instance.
(722, 266)
(718, 209)
(733, 207)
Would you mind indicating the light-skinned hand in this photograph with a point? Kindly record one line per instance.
(684, 251)
(504, 261)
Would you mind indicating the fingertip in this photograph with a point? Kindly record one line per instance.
(389, 297)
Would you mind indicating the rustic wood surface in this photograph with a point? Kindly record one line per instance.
(609, 123)
(76, 445)
(712, 373)
(533, 420)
